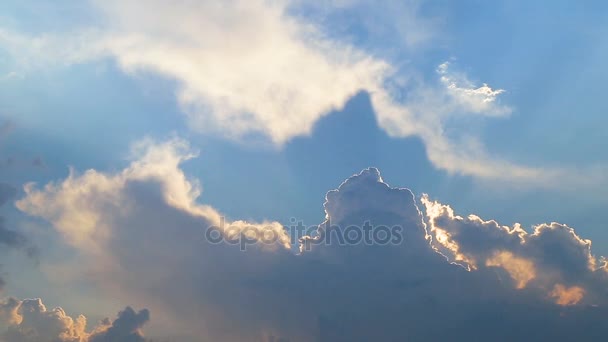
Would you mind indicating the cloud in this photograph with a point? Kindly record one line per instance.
(266, 71)
(567, 296)
(464, 95)
(126, 328)
(432, 111)
(94, 192)
(243, 67)
(30, 321)
(552, 259)
(140, 235)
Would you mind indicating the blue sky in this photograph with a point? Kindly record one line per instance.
(494, 108)
(551, 71)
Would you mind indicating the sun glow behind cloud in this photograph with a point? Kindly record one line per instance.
(152, 197)
(257, 74)
(528, 258)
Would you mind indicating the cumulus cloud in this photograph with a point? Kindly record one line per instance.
(126, 328)
(30, 321)
(552, 259)
(149, 248)
(93, 192)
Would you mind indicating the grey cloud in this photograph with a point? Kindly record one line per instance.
(405, 291)
(552, 257)
(126, 328)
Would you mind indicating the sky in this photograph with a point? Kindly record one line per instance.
(473, 131)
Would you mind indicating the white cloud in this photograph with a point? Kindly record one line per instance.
(468, 98)
(433, 113)
(259, 69)
(244, 67)
(154, 254)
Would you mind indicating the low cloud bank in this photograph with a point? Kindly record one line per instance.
(141, 236)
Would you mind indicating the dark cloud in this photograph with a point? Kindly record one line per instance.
(553, 258)
(30, 321)
(145, 221)
(126, 328)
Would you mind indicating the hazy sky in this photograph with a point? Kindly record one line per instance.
(128, 127)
